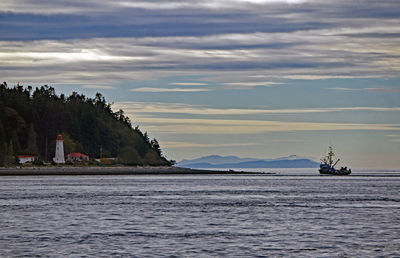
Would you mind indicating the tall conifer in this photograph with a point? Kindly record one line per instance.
(32, 147)
(3, 145)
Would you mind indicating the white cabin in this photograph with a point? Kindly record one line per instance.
(26, 158)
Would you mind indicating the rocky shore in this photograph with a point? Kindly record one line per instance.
(60, 171)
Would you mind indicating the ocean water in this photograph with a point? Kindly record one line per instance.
(290, 214)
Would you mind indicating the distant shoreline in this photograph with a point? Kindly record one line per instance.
(87, 171)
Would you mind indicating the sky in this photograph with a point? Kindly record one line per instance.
(254, 78)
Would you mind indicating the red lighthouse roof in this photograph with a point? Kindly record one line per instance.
(59, 137)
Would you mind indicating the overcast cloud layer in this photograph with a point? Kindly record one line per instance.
(280, 55)
(122, 39)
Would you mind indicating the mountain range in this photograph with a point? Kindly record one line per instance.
(216, 161)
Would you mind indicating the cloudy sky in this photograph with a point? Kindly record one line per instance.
(254, 78)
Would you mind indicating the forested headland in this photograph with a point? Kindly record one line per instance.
(30, 120)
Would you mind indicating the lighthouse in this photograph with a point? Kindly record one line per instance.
(59, 157)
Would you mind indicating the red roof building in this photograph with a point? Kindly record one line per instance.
(26, 158)
(77, 157)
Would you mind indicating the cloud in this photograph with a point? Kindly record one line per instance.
(188, 83)
(179, 145)
(76, 7)
(380, 89)
(314, 76)
(247, 85)
(394, 137)
(384, 90)
(221, 4)
(310, 55)
(100, 87)
(160, 90)
(147, 114)
(342, 89)
(117, 40)
(285, 140)
(47, 57)
(177, 108)
(227, 127)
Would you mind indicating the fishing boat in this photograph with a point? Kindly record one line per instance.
(328, 163)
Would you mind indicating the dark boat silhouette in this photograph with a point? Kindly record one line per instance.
(327, 166)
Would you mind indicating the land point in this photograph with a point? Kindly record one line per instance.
(87, 171)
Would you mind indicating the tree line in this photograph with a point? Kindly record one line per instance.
(30, 120)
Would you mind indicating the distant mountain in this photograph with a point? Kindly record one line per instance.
(215, 161)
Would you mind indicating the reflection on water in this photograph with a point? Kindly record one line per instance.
(210, 215)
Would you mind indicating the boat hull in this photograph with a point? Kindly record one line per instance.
(335, 172)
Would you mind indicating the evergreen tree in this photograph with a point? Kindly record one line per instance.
(10, 157)
(16, 146)
(32, 148)
(70, 145)
(156, 146)
(89, 125)
(10, 149)
(3, 145)
(129, 156)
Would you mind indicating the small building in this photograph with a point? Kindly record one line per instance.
(77, 157)
(26, 158)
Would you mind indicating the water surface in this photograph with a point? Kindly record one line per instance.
(200, 215)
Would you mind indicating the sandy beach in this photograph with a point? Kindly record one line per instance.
(51, 171)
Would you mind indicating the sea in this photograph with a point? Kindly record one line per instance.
(281, 213)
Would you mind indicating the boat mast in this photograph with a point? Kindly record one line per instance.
(330, 156)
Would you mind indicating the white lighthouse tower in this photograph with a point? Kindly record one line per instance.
(59, 157)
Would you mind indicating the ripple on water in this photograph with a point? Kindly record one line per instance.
(200, 216)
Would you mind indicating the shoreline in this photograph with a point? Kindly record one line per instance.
(87, 171)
